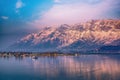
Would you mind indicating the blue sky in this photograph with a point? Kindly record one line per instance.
(33, 14)
(15, 14)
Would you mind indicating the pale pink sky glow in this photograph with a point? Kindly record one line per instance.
(73, 13)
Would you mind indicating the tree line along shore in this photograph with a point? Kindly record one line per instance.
(31, 54)
(48, 54)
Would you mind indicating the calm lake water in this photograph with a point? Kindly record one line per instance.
(83, 67)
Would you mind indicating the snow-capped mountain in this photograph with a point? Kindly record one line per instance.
(83, 37)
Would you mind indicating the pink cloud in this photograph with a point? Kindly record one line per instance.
(57, 1)
(73, 13)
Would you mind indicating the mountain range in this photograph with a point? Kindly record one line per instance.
(91, 36)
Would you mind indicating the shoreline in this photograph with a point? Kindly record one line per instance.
(49, 54)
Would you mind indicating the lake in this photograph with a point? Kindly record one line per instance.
(83, 67)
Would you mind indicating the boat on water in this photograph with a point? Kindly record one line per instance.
(34, 57)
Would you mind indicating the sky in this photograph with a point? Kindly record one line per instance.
(22, 16)
(29, 14)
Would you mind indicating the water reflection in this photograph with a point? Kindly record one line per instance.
(84, 67)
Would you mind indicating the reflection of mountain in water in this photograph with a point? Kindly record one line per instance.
(82, 67)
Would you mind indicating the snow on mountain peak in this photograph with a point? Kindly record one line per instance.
(84, 36)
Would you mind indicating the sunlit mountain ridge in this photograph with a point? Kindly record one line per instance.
(90, 36)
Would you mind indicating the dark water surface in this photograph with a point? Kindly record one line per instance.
(83, 67)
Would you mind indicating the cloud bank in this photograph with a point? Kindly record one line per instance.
(75, 11)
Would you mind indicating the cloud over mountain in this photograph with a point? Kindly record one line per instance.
(71, 12)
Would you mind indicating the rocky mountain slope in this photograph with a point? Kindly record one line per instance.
(91, 36)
